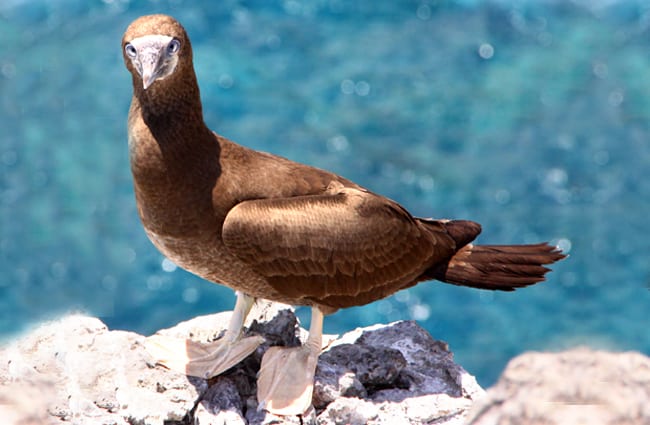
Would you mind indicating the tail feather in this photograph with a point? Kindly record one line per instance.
(497, 267)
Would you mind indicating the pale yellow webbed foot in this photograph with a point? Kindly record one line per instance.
(203, 360)
(286, 379)
(206, 360)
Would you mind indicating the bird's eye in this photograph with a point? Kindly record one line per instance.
(130, 50)
(173, 46)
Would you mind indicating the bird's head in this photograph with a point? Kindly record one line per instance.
(155, 47)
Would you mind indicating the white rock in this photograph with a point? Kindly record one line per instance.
(579, 386)
(96, 376)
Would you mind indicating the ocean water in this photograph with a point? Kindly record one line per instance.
(530, 117)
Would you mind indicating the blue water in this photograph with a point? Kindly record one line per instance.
(529, 117)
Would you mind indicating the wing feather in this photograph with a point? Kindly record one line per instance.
(335, 246)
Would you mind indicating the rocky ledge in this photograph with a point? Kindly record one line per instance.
(75, 370)
(581, 386)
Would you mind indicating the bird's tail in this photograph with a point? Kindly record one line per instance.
(497, 267)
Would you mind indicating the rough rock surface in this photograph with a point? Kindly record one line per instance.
(75, 370)
(577, 387)
(81, 372)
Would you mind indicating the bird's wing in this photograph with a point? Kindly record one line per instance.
(346, 245)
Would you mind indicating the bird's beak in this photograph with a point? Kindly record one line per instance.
(147, 80)
(150, 68)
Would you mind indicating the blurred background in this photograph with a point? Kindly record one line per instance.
(530, 117)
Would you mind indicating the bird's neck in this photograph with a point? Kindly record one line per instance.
(171, 111)
(166, 128)
(174, 160)
(172, 100)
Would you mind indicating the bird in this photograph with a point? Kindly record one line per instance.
(278, 230)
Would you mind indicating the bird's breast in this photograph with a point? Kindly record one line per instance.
(195, 254)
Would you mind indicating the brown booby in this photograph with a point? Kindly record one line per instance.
(275, 229)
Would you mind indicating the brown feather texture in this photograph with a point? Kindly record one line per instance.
(275, 229)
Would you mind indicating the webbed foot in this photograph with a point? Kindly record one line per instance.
(206, 360)
(203, 360)
(286, 379)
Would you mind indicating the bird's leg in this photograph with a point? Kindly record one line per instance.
(286, 379)
(206, 360)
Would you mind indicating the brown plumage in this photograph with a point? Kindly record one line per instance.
(279, 230)
(275, 229)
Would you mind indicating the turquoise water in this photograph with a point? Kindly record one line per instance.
(528, 117)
